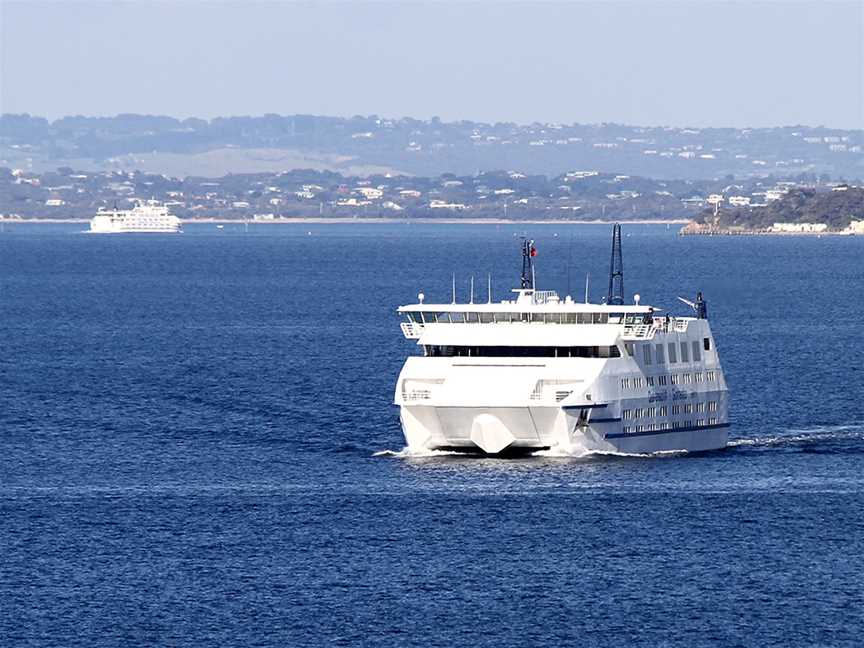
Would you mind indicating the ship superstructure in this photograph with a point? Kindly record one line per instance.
(145, 216)
(541, 371)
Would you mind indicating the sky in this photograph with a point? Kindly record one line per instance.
(694, 63)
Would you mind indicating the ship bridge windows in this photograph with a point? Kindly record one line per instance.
(697, 351)
(504, 317)
(446, 351)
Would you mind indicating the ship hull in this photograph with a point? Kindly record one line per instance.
(506, 430)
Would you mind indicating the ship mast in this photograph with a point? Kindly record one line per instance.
(528, 254)
(616, 270)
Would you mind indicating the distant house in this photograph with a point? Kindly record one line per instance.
(739, 201)
(370, 193)
(441, 204)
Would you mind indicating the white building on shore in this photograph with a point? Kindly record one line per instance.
(799, 228)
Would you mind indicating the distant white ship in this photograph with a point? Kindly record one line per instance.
(540, 371)
(145, 216)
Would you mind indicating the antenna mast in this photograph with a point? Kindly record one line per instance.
(616, 270)
(528, 254)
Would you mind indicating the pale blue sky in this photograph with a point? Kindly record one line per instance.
(693, 63)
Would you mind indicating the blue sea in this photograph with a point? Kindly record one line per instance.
(199, 448)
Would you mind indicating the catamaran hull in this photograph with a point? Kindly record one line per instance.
(501, 430)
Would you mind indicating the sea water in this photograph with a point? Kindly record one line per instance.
(199, 447)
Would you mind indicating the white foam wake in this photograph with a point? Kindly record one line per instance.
(794, 436)
(414, 453)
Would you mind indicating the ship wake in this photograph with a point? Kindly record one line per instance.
(812, 439)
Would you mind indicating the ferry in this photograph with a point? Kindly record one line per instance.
(542, 372)
(145, 216)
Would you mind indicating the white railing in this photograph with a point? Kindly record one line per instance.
(417, 394)
(544, 296)
(411, 330)
(646, 331)
(641, 331)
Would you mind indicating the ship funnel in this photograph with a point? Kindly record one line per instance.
(616, 269)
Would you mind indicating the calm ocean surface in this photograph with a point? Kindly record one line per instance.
(193, 433)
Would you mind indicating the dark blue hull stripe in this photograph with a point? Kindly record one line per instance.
(581, 407)
(621, 435)
(606, 420)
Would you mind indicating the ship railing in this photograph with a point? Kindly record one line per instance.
(417, 394)
(641, 331)
(545, 296)
(661, 324)
(412, 330)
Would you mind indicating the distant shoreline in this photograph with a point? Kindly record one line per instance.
(342, 221)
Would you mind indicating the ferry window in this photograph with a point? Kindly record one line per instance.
(523, 352)
(625, 383)
(601, 318)
(650, 380)
(554, 318)
(658, 353)
(688, 408)
(710, 375)
(501, 317)
(524, 317)
(457, 318)
(443, 318)
(706, 344)
(646, 351)
(584, 318)
(628, 347)
(570, 318)
(663, 410)
(697, 352)
(684, 352)
(486, 318)
(415, 317)
(661, 380)
(430, 318)
(672, 355)
(471, 318)
(537, 317)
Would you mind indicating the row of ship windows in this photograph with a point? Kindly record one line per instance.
(657, 353)
(672, 379)
(430, 317)
(668, 425)
(436, 350)
(663, 410)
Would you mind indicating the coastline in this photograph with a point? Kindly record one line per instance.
(372, 221)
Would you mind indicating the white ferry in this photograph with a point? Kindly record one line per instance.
(145, 216)
(543, 372)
